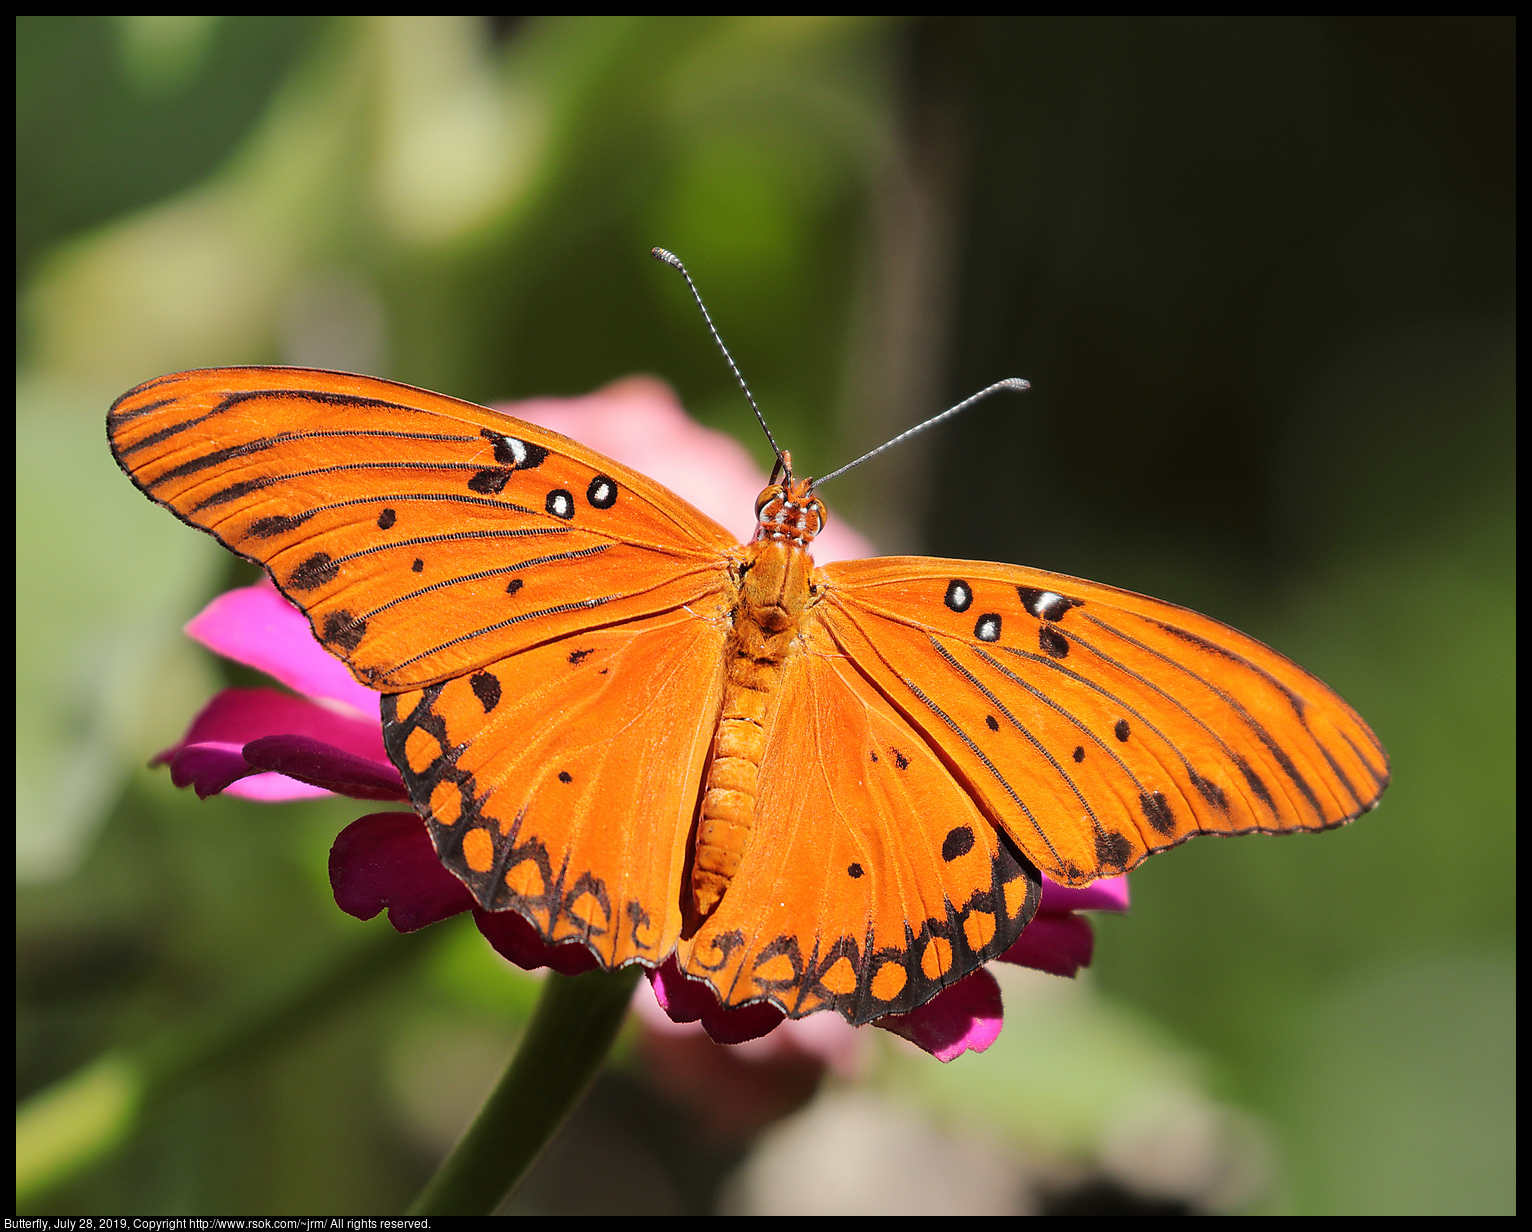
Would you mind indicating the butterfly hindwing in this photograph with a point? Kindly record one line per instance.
(424, 537)
(561, 782)
(1095, 725)
(869, 879)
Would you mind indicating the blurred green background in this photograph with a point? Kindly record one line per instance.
(1261, 275)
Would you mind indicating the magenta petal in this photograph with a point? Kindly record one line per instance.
(211, 754)
(688, 1000)
(967, 1015)
(746, 1023)
(387, 860)
(208, 766)
(1057, 944)
(242, 715)
(515, 939)
(216, 767)
(256, 626)
(324, 765)
(1107, 894)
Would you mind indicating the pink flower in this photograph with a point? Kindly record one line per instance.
(268, 745)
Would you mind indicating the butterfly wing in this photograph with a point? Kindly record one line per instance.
(543, 621)
(561, 781)
(869, 879)
(1098, 726)
(425, 537)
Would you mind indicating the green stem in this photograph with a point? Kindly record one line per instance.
(571, 1032)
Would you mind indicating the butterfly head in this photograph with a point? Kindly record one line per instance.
(787, 509)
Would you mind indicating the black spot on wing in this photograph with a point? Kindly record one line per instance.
(1052, 642)
(1157, 812)
(513, 586)
(1113, 850)
(959, 842)
(853, 871)
(234, 492)
(602, 493)
(1121, 731)
(313, 573)
(565, 777)
(486, 687)
(513, 451)
(1045, 604)
(959, 595)
(276, 524)
(489, 482)
(987, 627)
(1210, 791)
(991, 723)
(419, 566)
(577, 657)
(343, 629)
(386, 519)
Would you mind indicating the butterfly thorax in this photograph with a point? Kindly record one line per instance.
(774, 579)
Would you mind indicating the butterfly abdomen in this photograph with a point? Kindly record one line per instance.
(773, 593)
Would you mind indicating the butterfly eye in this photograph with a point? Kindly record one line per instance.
(821, 513)
(767, 495)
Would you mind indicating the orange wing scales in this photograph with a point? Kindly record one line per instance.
(383, 510)
(1095, 725)
(864, 978)
(579, 820)
(869, 879)
(826, 789)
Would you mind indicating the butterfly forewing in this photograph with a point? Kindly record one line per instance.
(1095, 725)
(423, 536)
(869, 880)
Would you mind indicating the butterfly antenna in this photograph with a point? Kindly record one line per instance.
(670, 258)
(1010, 382)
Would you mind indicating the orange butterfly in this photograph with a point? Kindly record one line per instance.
(829, 788)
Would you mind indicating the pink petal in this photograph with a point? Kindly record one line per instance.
(965, 1016)
(234, 718)
(1057, 944)
(688, 1000)
(639, 422)
(1107, 894)
(323, 765)
(387, 860)
(265, 788)
(243, 715)
(256, 626)
(515, 939)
